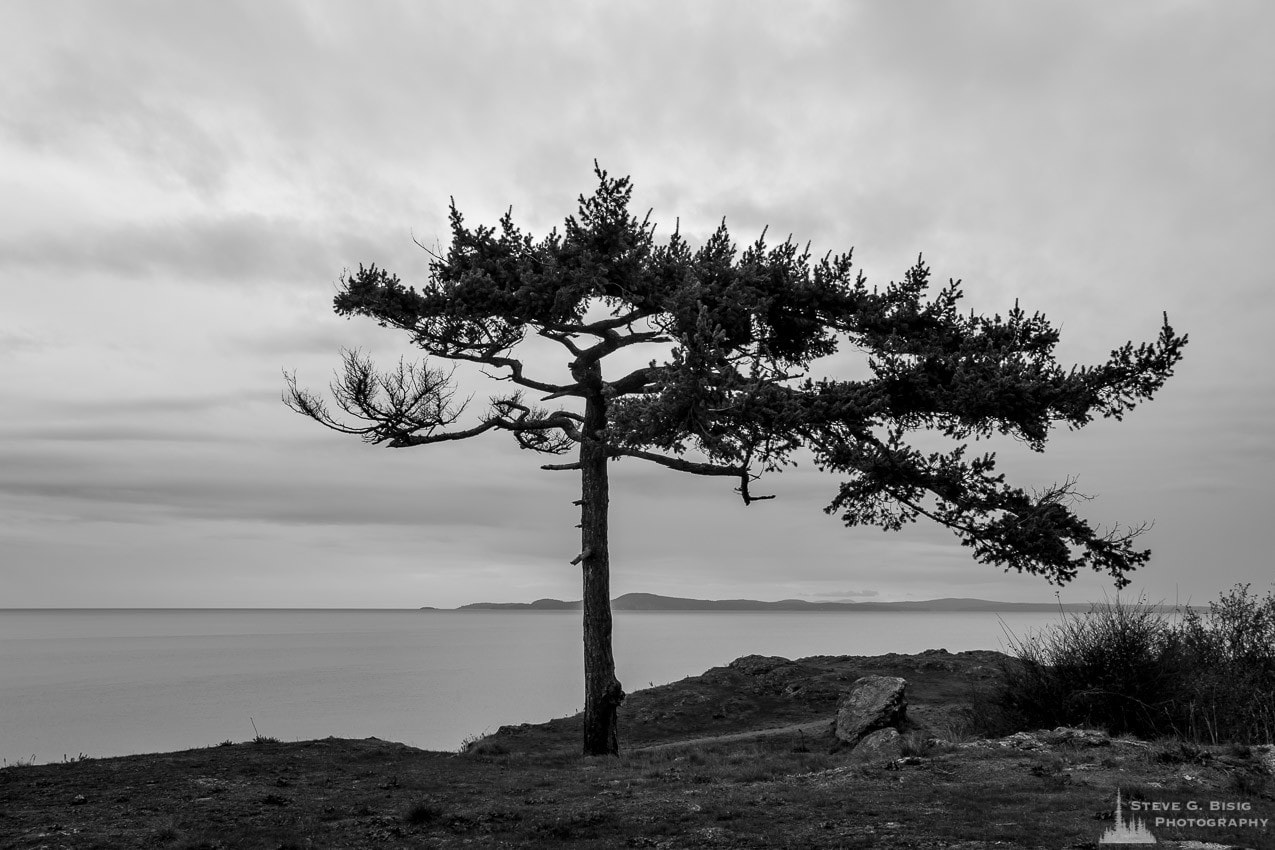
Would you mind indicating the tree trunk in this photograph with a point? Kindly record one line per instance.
(602, 692)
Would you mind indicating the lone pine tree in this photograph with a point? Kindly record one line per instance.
(735, 334)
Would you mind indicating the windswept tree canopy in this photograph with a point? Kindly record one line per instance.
(735, 332)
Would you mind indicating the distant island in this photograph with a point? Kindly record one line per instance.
(653, 602)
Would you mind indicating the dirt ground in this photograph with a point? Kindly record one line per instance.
(742, 756)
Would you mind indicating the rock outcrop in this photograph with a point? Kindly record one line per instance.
(758, 665)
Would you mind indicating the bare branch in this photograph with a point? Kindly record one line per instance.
(748, 497)
(433, 254)
(531, 427)
(403, 406)
(308, 404)
(424, 439)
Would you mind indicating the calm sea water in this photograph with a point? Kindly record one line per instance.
(115, 682)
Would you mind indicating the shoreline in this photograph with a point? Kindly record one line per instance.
(741, 756)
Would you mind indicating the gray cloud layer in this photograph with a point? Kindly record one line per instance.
(185, 183)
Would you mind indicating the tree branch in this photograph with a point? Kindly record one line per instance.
(693, 467)
(515, 367)
(602, 327)
(614, 342)
(576, 390)
(639, 380)
(407, 440)
(530, 425)
(393, 405)
(563, 338)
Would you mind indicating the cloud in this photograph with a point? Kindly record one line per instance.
(357, 485)
(16, 342)
(96, 433)
(186, 185)
(242, 249)
(144, 405)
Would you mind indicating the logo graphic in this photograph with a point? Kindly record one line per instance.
(1131, 831)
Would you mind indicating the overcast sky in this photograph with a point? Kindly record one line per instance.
(183, 184)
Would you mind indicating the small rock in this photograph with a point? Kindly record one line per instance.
(1021, 741)
(882, 745)
(78, 800)
(874, 702)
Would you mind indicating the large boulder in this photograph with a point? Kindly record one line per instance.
(874, 702)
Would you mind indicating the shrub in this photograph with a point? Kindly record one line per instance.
(1115, 667)
(1231, 653)
(1130, 669)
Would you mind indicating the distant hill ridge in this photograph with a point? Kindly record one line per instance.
(654, 602)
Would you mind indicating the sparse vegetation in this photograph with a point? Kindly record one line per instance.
(472, 740)
(1131, 668)
(258, 738)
